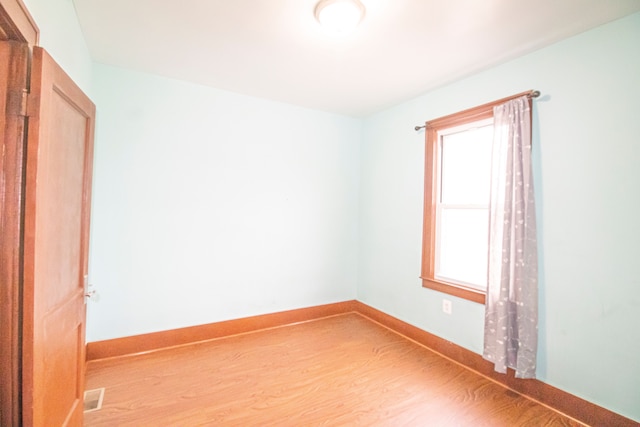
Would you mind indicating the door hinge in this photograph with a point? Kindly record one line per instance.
(23, 103)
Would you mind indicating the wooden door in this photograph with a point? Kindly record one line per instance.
(56, 237)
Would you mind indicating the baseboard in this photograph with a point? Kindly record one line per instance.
(546, 394)
(559, 400)
(137, 344)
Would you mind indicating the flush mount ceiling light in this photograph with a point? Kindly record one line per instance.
(339, 16)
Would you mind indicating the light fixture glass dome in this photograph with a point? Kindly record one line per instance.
(339, 16)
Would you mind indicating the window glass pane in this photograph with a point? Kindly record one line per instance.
(463, 240)
(466, 166)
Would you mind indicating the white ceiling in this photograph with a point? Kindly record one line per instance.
(275, 49)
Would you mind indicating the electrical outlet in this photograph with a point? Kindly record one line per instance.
(446, 306)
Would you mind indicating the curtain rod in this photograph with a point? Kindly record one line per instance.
(530, 94)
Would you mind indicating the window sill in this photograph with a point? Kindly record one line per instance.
(455, 290)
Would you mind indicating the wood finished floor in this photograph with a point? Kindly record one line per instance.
(339, 371)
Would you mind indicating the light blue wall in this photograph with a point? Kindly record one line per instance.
(208, 205)
(61, 36)
(587, 152)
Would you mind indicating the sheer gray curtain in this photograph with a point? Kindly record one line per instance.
(511, 309)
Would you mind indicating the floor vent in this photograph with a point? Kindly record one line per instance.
(93, 399)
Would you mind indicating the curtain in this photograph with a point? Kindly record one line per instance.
(511, 309)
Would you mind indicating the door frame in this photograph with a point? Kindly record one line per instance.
(16, 24)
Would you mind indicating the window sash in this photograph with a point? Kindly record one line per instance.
(440, 273)
(477, 281)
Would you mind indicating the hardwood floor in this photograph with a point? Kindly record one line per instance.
(336, 371)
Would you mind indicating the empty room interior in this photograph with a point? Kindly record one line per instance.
(261, 195)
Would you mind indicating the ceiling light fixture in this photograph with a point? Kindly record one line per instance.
(339, 16)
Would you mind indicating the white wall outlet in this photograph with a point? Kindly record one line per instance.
(446, 306)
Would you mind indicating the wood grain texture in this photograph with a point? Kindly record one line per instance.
(14, 57)
(189, 335)
(56, 236)
(340, 370)
(560, 400)
(16, 23)
(17, 32)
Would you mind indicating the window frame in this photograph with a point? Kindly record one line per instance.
(432, 127)
(431, 181)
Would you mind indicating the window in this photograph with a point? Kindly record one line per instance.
(456, 211)
(462, 204)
